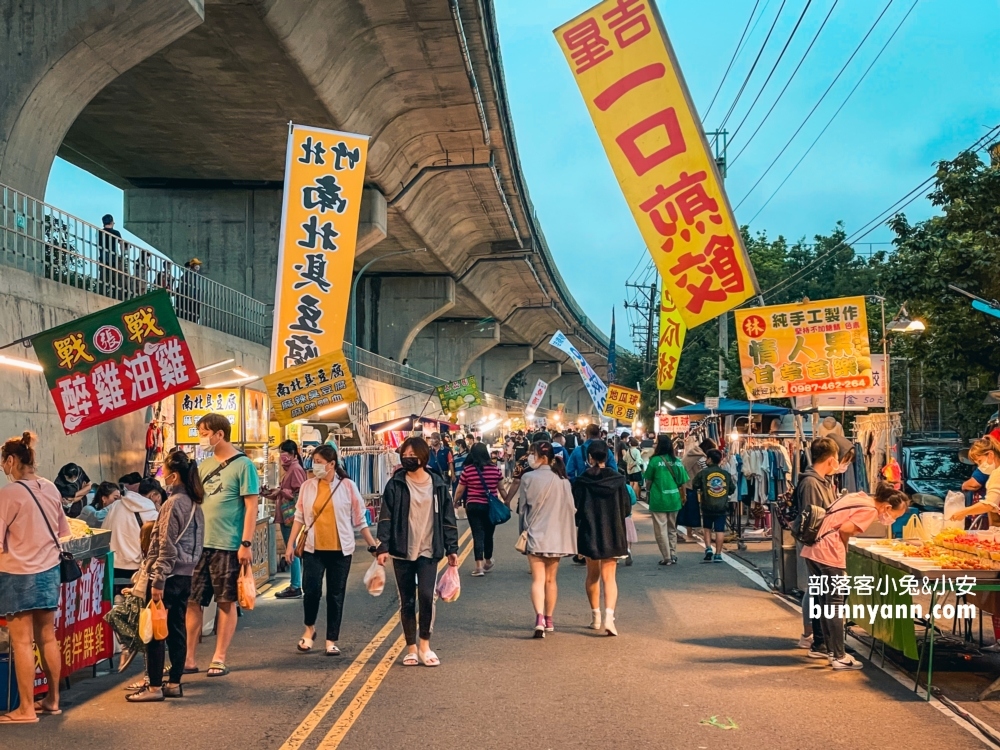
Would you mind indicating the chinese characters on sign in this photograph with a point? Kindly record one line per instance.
(595, 386)
(459, 394)
(668, 352)
(115, 361)
(190, 406)
(870, 398)
(324, 179)
(318, 384)
(669, 423)
(629, 77)
(622, 403)
(536, 397)
(796, 350)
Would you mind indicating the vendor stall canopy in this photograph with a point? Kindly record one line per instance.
(406, 424)
(732, 407)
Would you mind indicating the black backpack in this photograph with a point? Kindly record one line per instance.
(805, 527)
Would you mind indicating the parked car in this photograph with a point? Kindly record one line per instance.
(930, 471)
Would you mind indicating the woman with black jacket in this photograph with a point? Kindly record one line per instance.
(602, 504)
(417, 527)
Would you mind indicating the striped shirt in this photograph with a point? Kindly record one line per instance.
(474, 492)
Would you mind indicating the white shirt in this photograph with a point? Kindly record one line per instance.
(421, 538)
(348, 509)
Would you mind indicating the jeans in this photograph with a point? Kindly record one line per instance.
(176, 592)
(415, 580)
(482, 530)
(296, 566)
(336, 566)
(665, 531)
(828, 630)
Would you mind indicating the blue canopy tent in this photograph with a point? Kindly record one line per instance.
(731, 407)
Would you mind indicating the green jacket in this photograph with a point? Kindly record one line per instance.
(666, 476)
(714, 486)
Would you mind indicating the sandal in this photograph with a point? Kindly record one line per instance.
(41, 710)
(137, 685)
(332, 650)
(217, 669)
(146, 695)
(305, 645)
(410, 660)
(429, 659)
(8, 719)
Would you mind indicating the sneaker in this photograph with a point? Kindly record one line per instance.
(540, 626)
(145, 695)
(848, 662)
(488, 566)
(805, 641)
(173, 691)
(549, 627)
(595, 621)
(628, 560)
(717, 558)
(818, 653)
(609, 624)
(708, 556)
(292, 592)
(478, 573)
(673, 560)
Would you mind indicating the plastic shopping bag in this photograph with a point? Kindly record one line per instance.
(914, 530)
(449, 588)
(953, 501)
(375, 579)
(246, 588)
(159, 617)
(146, 624)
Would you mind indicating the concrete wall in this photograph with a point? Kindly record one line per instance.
(30, 304)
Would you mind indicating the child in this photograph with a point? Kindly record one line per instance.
(714, 486)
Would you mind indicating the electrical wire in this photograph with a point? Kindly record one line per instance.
(774, 67)
(816, 106)
(739, 46)
(791, 78)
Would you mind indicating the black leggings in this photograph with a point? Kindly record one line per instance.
(482, 530)
(337, 566)
(176, 592)
(415, 580)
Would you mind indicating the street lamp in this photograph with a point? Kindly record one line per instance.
(352, 325)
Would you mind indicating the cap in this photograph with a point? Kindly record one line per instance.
(193, 262)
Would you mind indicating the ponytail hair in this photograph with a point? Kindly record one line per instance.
(290, 446)
(886, 493)
(329, 454)
(178, 461)
(22, 448)
(544, 449)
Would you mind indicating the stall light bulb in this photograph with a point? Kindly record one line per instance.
(20, 363)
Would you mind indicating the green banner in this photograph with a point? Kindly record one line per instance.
(459, 394)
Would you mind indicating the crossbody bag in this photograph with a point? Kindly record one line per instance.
(300, 540)
(69, 569)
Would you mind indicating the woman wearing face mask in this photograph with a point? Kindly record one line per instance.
(74, 485)
(286, 497)
(105, 496)
(986, 453)
(546, 499)
(479, 479)
(329, 508)
(417, 527)
(31, 522)
(165, 575)
(849, 516)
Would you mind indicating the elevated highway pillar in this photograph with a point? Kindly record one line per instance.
(392, 310)
(447, 348)
(495, 368)
(547, 371)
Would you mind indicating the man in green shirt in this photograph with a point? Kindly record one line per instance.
(664, 476)
(231, 494)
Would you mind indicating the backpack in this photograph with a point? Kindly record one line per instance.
(806, 526)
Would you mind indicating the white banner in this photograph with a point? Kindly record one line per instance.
(595, 386)
(667, 423)
(536, 397)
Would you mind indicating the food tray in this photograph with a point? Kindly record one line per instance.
(100, 543)
(916, 566)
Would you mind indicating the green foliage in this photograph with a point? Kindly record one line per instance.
(516, 387)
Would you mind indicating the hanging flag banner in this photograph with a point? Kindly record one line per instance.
(870, 398)
(459, 394)
(672, 333)
(115, 361)
(628, 74)
(536, 397)
(595, 386)
(805, 348)
(622, 403)
(313, 386)
(321, 206)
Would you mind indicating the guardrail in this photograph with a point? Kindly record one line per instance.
(42, 240)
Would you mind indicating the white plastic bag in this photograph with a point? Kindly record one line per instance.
(449, 588)
(375, 579)
(146, 624)
(953, 501)
(933, 523)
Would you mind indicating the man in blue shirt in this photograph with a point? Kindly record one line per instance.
(441, 458)
(577, 463)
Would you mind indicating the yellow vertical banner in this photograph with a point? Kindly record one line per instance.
(321, 207)
(629, 77)
(668, 352)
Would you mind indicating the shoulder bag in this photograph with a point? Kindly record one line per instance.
(499, 512)
(300, 540)
(69, 569)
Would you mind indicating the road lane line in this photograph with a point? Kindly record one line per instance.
(343, 725)
(322, 708)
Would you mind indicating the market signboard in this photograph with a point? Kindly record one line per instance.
(595, 386)
(297, 392)
(622, 403)
(669, 423)
(628, 74)
(459, 394)
(870, 398)
(801, 349)
(536, 397)
(672, 333)
(190, 406)
(115, 361)
(324, 179)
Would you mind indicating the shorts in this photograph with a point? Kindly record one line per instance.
(215, 575)
(637, 477)
(29, 591)
(716, 523)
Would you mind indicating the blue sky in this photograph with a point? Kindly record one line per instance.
(931, 93)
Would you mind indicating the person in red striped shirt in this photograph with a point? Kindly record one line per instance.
(480, 478)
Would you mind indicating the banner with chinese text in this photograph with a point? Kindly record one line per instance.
(595, 386)
(190, 406)
(622, 403)
(459, 394)
(805, 348)
(869, 398)
(536, 397)
(628, 74)
(321, 206)
(115, 361)
(669, 423)
(312, 386)
(672, 333)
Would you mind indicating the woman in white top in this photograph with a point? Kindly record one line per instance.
(986, 453)
(330, 508)
(549, 514)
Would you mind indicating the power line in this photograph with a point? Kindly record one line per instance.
(731, 60)
(787, 84)
(816, 106)
(774, 67)
(842, 105)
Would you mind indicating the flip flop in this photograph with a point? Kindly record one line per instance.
(40, 709)
(305, 645)
(187, 670)
(429, 659)
(410, 660)
(6, 719)
(221, 670)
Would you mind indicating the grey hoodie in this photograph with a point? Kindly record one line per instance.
(172, 553)
(694, 461)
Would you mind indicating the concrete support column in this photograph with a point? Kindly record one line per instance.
(392, 310)
(495, 368)
(447, 348)
(547, 371)
(59, 54)
(559, 390)
(373, 223)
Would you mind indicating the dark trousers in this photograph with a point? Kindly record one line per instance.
(482, 530)
(176, 592)
(828, 631)
(415, 580)
(336, 566)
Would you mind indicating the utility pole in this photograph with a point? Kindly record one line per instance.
(652, 332)
(720, 143)
(642, 307)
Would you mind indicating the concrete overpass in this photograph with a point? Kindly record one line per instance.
(184, 105)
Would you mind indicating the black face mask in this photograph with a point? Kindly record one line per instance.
(410, 463)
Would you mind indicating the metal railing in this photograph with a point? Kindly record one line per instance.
(42, 240)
